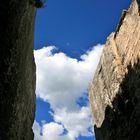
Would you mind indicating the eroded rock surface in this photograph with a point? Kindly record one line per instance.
(115, 89)
(17, 70)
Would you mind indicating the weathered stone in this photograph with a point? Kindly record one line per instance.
(115, 89)
(17, 70)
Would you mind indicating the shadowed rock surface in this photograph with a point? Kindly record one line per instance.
(17, 70)
(115, 89)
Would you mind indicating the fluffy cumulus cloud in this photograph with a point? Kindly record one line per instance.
(61, 81)
(50, 131)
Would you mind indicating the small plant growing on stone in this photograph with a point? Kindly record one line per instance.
(38, 3)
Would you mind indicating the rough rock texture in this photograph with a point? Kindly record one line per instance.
(17, 70)
(115, 89)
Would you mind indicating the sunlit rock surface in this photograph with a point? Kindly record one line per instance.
(115, 89)
(17, 70)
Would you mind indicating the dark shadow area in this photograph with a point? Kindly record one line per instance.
(17, 70)
(122, 121)
(138, 1)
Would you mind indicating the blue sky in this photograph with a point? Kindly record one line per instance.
(69, 31)
(76, 25)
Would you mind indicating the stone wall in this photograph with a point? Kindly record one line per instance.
(115, 89)
(17, 70)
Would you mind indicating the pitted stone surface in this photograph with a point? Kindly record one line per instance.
(17, 70)
(115, 89)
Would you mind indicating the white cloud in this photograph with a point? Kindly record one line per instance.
(51, 131)
(76, 122)
(37, 130)
(61, 81)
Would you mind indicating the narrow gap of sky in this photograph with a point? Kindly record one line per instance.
(73, 26)
(76, 25)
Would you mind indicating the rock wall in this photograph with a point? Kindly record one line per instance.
(115, 89)
(17, 70)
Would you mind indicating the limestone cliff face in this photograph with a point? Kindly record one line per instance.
(115, 89)
(17, 70)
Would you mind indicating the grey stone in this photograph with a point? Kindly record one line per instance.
(17, 70)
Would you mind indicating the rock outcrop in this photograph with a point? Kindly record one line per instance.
(17, 70)
(115, 89)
